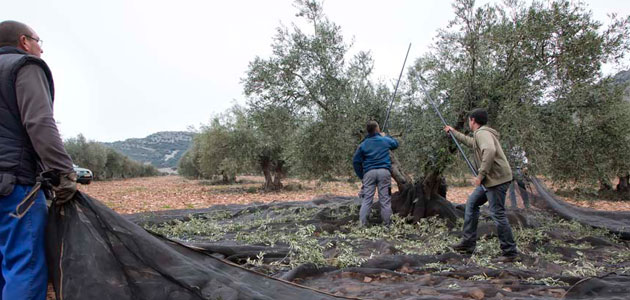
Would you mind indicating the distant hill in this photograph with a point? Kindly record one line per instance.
(623, 77)
(162, 149)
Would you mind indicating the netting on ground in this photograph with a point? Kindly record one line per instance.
(202, 254)
(617, 222)
(94, 253)
(319, 244)
(610, 287)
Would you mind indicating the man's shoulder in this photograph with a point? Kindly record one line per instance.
(384, 137)
(31, 68)
(23, 63)
(379, 139)
(19, 56)
(12, 56)
(9, 61)
(485, 130)
(370, 140)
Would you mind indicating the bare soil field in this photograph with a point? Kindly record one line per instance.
(174, 192)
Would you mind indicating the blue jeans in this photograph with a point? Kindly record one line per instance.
(373, 178)
(495, 196)
(22, 247)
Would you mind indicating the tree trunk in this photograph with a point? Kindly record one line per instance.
(623, 186)
(398, 174)
(224, 177)
(279, 174)
(273, 172)
(265, 165)
(425, 198)
(604, 185)
(227, 178)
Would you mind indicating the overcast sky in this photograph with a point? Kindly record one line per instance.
(129, 68)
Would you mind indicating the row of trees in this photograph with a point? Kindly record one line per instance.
(536, 67)
(105, 163)
(307, 106)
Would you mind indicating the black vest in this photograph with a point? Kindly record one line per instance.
(17, 155)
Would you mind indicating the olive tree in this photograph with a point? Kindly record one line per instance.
(326, 94)
(524, 64)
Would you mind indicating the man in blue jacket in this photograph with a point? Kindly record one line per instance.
(373, 166)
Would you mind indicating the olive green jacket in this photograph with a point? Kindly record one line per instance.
(492, 165)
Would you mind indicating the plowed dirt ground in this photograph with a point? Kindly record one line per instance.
(174, 192)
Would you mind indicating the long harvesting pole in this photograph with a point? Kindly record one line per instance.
(472, 168)
(391, 102)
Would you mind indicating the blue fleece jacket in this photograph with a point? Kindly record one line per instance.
(373, 153)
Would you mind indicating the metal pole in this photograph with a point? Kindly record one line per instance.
(395, 90)
(472, 168)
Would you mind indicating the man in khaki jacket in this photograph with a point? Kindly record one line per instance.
(495, 174)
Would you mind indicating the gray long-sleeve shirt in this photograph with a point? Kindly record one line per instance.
(36, 110)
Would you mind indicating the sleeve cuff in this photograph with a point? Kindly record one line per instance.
(481, 176)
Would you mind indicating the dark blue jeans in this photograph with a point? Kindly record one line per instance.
(495, 196)
(22, 249)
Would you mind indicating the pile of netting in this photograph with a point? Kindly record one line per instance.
(617, 222)
(292, 250)
(94, 253)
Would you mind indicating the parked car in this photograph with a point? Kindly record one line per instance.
(84, 176)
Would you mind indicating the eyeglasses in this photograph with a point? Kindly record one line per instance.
(40, 42)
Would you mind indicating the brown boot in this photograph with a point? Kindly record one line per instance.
(508, 258)
(463, 248)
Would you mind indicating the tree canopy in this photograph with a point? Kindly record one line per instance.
(536, 67)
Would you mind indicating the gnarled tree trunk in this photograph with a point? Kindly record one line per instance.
(273, 173)
(604, 185)
(424, 198)
(228, 178)
(279, 174)
(399, 176)
(623, 186)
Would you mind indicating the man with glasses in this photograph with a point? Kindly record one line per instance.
(39, 41)
(29, 144)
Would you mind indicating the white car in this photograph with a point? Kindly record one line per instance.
(84, 176)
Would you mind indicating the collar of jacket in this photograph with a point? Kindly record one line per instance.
(488, 129)
(11, 50)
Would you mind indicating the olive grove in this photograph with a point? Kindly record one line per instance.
(104, 162)
(536, 67)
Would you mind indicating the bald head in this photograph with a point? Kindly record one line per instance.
(21, 36)
(11, 31)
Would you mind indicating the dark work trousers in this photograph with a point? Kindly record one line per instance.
(522, 190)
(495, 196)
